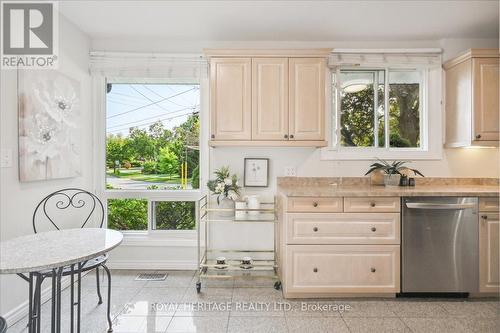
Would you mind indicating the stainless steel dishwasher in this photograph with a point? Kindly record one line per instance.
(439, 245)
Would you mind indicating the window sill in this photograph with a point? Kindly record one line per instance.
(160, 239)
(366, 154)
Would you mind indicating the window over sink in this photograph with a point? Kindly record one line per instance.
(386, 105)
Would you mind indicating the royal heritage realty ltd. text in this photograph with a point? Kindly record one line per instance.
(251, 306)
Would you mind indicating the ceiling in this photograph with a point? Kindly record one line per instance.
(313, 20)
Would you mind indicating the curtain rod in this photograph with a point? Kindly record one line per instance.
(110, 54)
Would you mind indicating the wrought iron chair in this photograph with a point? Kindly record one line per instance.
(50, 214)
(3, 325)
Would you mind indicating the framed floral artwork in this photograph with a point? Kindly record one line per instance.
(49, 119)
(256, 172)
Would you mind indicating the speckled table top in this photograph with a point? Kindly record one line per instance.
(52, 249)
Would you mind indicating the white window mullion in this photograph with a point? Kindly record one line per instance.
(375, 108)
(386, 110)
(338, 110)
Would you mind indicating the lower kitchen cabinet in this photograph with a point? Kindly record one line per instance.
(335, 246)
(489, 231)
(323, 270)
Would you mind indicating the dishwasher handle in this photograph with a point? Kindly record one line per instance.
(430, 205)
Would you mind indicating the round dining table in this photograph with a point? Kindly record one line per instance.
(51, 251)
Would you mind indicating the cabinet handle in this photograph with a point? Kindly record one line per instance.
(291, 136)
(315, 270)
(286, 136)
(478, 136)
(372, 204)
(315, 204)
(373, 270)
(213, 136)
(315, 229)
(484, 217)
(374, 229)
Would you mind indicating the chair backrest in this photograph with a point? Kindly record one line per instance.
(69, 207)
(3, 325)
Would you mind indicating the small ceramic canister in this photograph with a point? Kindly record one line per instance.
(253, 202)
(240, 214)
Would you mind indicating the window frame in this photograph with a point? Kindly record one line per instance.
(431, 131)
(150, 236)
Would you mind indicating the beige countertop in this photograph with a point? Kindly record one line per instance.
(330, 187)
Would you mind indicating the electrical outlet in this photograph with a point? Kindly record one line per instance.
(290, 171)
(6, 158)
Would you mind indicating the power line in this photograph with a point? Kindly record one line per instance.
(149, 99)
(153, 122)
(125, 95)
(157, 116)
(154, 92)
(154, 103)
(172, 90)
(119, 102)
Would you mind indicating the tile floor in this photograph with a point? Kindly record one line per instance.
(133, 312)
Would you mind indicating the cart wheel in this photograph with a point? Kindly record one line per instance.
(277, 285)
(198, 287)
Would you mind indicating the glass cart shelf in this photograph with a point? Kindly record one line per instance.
(233, 266)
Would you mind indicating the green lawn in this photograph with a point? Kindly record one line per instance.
(135, 174)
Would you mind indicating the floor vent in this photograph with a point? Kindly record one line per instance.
(151, 277)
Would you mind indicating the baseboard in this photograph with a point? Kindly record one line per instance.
(20, 311)
(153, 264)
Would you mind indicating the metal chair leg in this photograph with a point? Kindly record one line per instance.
(72, 299)
(108, 311)
(98, 285)
(39, 282)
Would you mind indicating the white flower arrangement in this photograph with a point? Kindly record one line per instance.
(225, 185)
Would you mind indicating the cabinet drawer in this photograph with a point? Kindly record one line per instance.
(343, 268)
(343, 228)
(488, 204)
(311, 204)
(371, 204)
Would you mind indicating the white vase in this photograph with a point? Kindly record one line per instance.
(392, 180)
(226, 203)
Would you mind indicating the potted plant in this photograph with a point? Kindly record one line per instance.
(226, 187)
(392, 171)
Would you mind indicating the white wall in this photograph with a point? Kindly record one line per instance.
(18, 200)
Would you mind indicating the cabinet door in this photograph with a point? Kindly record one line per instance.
(324, 269)
(489, 280)
(485, 99)
(307, 98)
(230, 98)
(270, 99)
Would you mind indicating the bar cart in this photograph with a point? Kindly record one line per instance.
(239, 264)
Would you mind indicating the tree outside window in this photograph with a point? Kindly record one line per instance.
(362, 108)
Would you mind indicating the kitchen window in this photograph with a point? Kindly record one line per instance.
(150, 134)
(385, 109)
(152, 145)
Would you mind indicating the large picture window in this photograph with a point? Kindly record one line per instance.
(152, 136)
(152, 155)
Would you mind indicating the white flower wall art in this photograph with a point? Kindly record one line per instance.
(49, 118)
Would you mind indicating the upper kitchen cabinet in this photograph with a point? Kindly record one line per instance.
(268, 97)
(307, 98)
(230, 98)
(472, 93)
